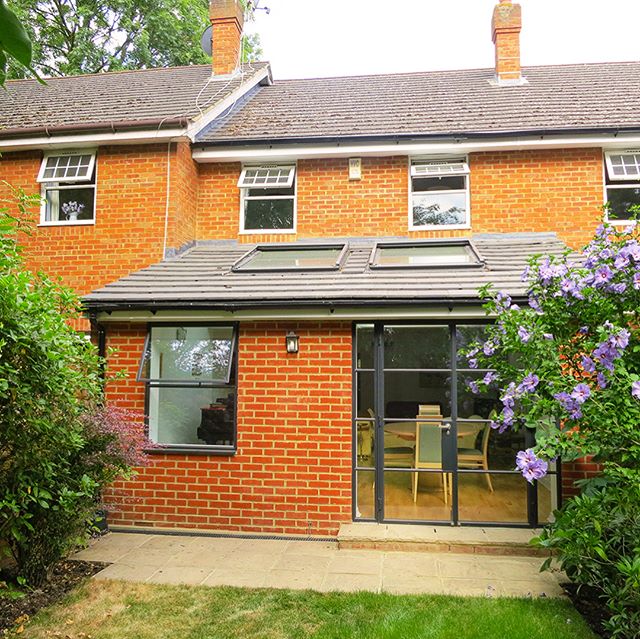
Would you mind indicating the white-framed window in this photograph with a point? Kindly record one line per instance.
(439, 194)
(68, 185)
(268, 199)
(622, 184)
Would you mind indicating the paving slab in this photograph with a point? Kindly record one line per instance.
(320, 566)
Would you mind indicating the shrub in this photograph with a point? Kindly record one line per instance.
(58, 446)
(567, 366)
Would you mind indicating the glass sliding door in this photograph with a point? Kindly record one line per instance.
(423, 447)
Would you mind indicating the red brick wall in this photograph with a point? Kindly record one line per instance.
(292, 471)
(514, 191)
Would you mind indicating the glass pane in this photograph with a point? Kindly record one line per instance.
(268, 214)
(547, 498)
(69, 205)
(365, 436)
(364, 346)
(189, 354)
(365, 494)
(265, 260)
(405, 392)
(269, 193)
(492, 498)
(364, 395)
(424, 496)
(449, 183)
(425, 255)
(417, 347)
(268, 176)
(467, 335)
(476, 405)
(196, 416)
(620, 200)
(439, 208)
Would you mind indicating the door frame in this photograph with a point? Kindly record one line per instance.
(449, 448)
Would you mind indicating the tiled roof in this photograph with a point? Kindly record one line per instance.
(556, 98)
(202, 276)
(115, 98)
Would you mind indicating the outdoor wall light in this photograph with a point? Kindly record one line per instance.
(293, 342)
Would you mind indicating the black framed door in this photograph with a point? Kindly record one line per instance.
(423, 448)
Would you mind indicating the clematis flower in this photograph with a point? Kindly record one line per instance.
(529, 383)
(635, 390)
(530, 465)
(603, 276)
(524, 334)
(602, 380)
(581, 393)
(588, 364)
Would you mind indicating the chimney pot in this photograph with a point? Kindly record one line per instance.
(505, 32)
(227, 22)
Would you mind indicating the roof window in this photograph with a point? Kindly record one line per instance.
(325, 257)
(425, 255)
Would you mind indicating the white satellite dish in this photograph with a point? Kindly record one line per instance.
(206, 41)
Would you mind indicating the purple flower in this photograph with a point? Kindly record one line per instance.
(529, 383)
(548, 336)
(620, 339)
(606, 254)
(635, 390)
(473, 387)
(525, 274)
(489, 348)
(603, 276)
(530, 465)
(581, 393)
(583, 330)
(619, 288)
(489, 378)
(535, 305)
(621, 261)
(636, 281)
(473, 363)
(633, 249)
(565, 400)
(524, 334)
(602, 380)
(588, 364)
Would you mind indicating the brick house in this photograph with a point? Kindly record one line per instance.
(286, 270)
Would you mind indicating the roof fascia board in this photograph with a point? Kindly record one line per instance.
(312, 314)
(205, 154)
(92, 140)
(207, 117)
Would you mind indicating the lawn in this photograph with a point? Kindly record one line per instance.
(113, 610)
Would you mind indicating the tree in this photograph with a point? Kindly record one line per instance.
(15, 45)
(568, 366)
(59, 445)
(90, 36)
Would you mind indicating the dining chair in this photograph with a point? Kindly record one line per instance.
(428, 454)
(365, 436)
(474, 457)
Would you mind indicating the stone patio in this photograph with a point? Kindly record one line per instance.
(316, 565)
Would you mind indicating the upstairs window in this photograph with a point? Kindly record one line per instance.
(439, 194)
(622, 184)
(68, 187)
(268, 195)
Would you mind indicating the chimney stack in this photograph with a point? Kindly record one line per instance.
(505, 32)
(227, 21)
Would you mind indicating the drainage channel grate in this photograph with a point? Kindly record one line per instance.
(199, 533)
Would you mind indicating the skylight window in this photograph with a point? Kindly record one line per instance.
(425, 255)
(288, 258)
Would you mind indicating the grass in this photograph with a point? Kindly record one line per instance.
(113, 610)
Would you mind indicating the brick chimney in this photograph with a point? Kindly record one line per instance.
(505, 32)
(227, 21)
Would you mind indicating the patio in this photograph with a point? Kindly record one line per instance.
(315, 565)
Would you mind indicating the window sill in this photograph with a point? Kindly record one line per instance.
(76, 223)
(621, 222)
(441, 227)
(269, 232)
(210, 451)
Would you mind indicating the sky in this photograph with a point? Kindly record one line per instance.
(320, 38)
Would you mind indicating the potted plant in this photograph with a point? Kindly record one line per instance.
(72, 210)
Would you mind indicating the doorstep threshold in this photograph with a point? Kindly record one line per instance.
(428, 538)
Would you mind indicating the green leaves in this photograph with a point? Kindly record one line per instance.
(14, 40)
